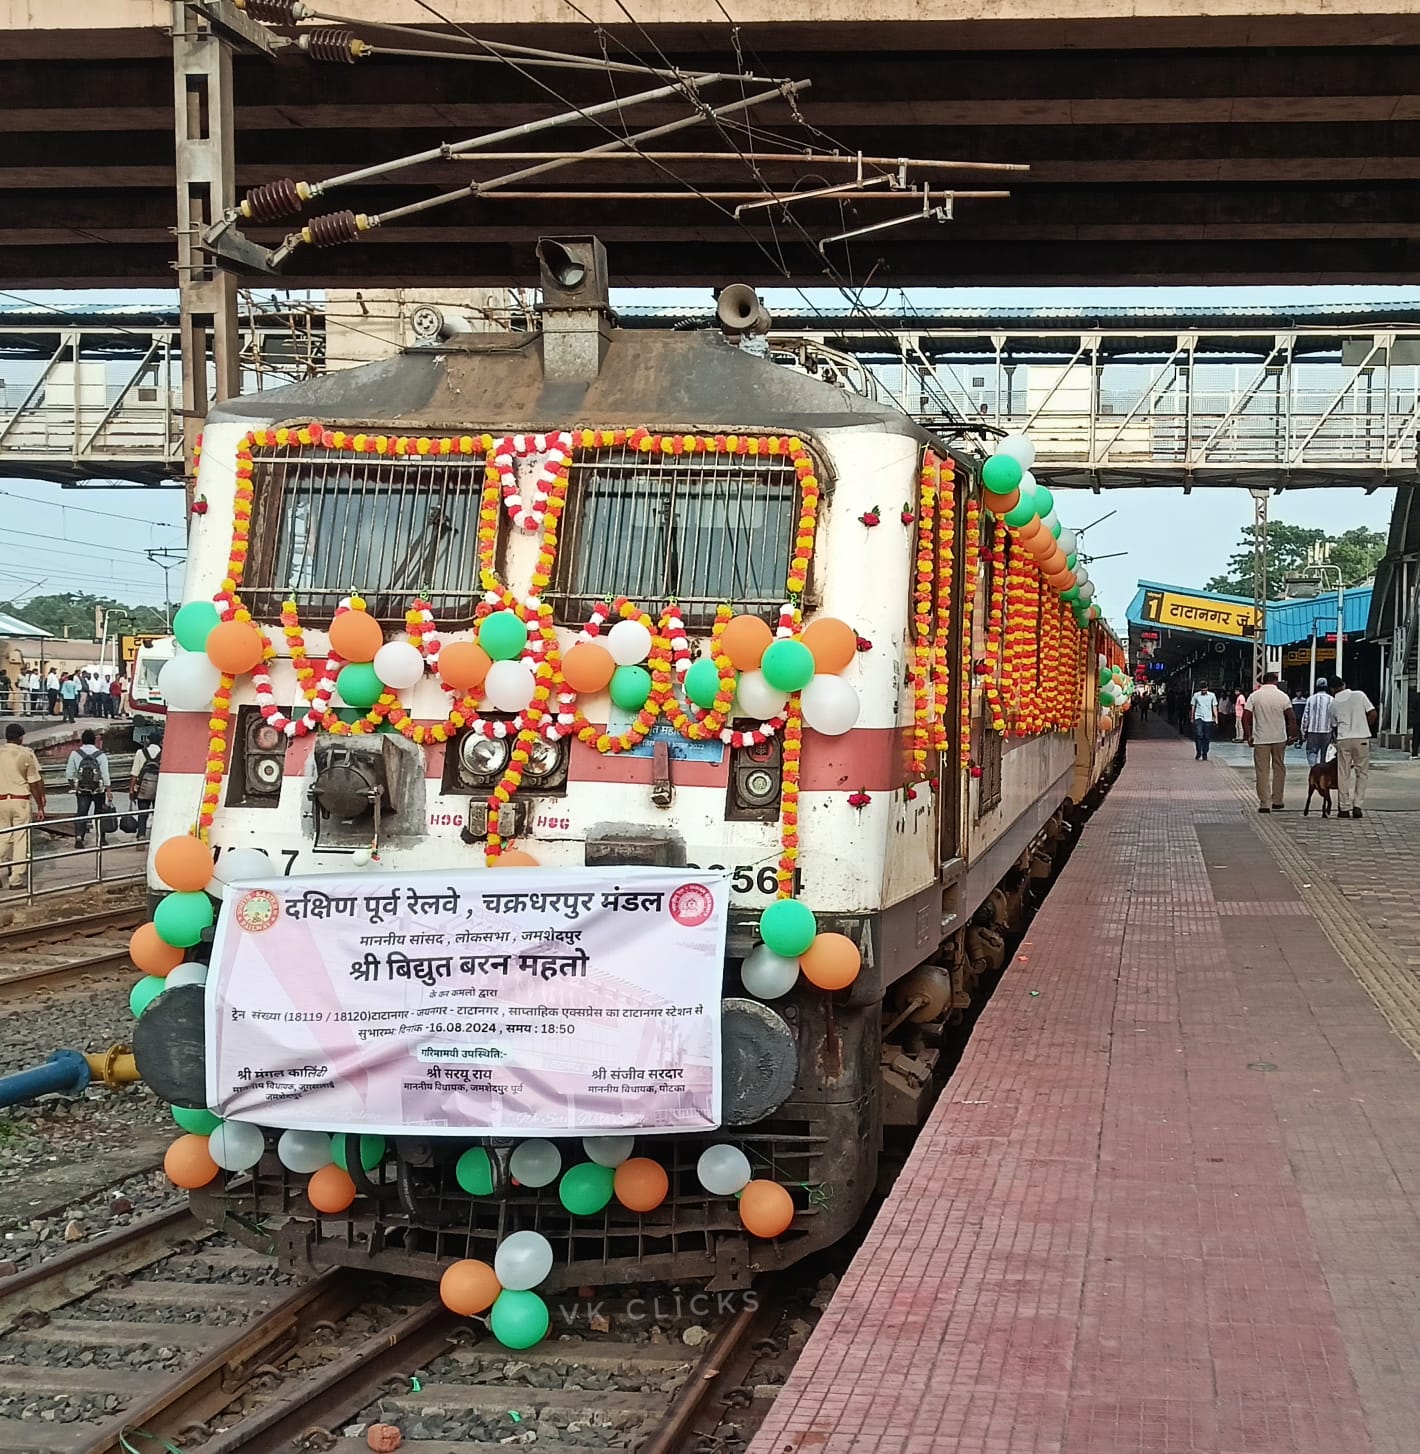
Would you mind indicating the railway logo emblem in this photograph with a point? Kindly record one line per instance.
(257, 910)
(691, 905)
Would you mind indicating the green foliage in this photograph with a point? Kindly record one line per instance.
(1357, 552)
(72, 614)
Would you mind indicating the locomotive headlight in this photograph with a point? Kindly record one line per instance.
(483, 756)
(266, 738)
(544, 758)
(266, 772)
(760, 786)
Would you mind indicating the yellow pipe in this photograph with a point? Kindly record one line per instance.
(115, 1067)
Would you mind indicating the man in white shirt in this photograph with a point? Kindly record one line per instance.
(1269, 724)
(1203, 713)
(1355, 716)
(1317, 722)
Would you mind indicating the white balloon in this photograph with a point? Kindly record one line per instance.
(1050, 521)
(187, 974)
(1087, 591)
(535, 1163)
(754, 697)
(242, 865)
(608, 1150)
(362, 858)
(767, 975)
(629, 643)
(304, 1151)
(509, 686)
(829, 704)
(188, 682)
(523, 1260)
(399, 665)
(1104, 661)
(1027, 483)
(236, 1145)
(1067, 540)
(723, 1170)
(1019, 448)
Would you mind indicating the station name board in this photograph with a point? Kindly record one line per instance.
(1204, 614)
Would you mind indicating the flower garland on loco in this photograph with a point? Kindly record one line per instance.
(787, 677)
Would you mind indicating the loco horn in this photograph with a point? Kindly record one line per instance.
(739, 310)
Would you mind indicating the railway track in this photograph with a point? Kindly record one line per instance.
(66, 949)
(168, 1331)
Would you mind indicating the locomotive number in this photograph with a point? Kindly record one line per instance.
(289, 854)
(743, 878)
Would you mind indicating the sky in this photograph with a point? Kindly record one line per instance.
(96, 539)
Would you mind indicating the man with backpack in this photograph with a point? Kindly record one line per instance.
(87, 774)
(143, 786)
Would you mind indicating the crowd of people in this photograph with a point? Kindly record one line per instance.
(90, 692)
(1335, 719)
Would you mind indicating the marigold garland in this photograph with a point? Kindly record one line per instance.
(789, 798)
(971, 583)
(992, 682)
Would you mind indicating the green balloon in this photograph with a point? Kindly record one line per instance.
(788, 927)
(359, 685)
(1106, 674)
(194, 623)
(1056, 529)
(519, 1319)
(1044, 500)
(1024, 511)
(1071, 561)
(1000, 474)
(1073, 594)
(372, 1151)
(475, 1172)
(144, 993)
(702, 682)
(788, 666)
(630, 687)
(586, 1188)
(181, 918)
(199, 1122)
(503, 635)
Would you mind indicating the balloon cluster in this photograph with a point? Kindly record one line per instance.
(1013, 494)
(517, 1315)
(792, 943)
(769, 669)
(1116, 692)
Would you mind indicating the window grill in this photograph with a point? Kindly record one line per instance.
(702, 529)
(988, 759)
(391, 529)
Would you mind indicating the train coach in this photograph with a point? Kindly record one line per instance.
(621, 755)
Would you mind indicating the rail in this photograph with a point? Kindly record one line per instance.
(66, 869)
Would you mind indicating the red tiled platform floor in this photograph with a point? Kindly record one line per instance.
(1170, 1200)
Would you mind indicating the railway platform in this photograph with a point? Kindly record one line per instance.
(1169, 1203)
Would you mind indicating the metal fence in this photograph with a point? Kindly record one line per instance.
(45, 852)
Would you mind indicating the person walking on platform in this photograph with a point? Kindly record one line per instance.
(1239, 710)
(88, 776)
(21, 802)
(1203, 713)
(1355, 721)
(1317, 722)
(69, 695)
(1269, 726)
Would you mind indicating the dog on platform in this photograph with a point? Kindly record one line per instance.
(1322, 780)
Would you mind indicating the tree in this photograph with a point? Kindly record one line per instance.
(72, 614)
(1357, 552)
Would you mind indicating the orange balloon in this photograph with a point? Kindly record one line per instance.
(1060, 580)
(469, 1287)
(464, 664)
(831, 962)
(1000, 504)
(745, 641)
(766, 1209)
(641, 1184)
(330, 1190)
(184, 863)
(1030, 530)
(356, 636)
(588, 667)
(515, 858)
(151, 954)
(234, 647)
(834, 643)
(1052, 564)
(189, 1163)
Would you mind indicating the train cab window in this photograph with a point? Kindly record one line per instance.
(391, 529)
(703, 529)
